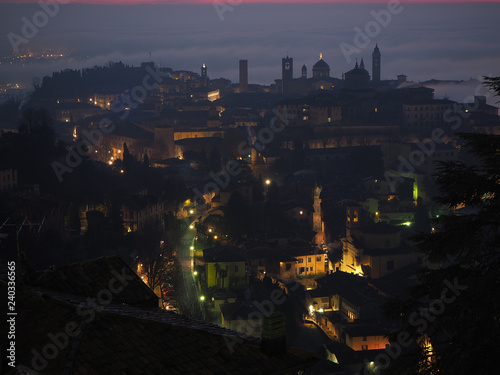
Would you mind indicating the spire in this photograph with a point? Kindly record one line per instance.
(362, 65)
(356, 66)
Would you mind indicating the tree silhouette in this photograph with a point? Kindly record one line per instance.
(128, 159)
(452, 316)
(422, 221)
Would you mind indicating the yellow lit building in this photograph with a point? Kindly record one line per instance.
(366, 337)
(225, 267)
(374, 250)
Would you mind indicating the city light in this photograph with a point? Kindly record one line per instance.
(268, 182)
(202, 298)
(191, 248)
(195, 273)
(191, 226)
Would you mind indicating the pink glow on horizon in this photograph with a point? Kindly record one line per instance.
(138, 2)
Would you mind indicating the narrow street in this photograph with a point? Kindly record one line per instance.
(188, 292)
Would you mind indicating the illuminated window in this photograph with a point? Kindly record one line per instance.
(355, 216)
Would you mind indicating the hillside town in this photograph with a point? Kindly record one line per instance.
(279, 218)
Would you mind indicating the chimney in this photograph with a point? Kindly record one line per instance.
(273, 335)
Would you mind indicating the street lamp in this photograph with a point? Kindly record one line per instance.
(202, 298)
(191, 226)
(268, 182)
(195, 273)
(191, 248)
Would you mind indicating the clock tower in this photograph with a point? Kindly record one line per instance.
(376, 64)
(204, 77)
(286, 74)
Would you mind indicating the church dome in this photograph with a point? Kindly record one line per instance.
(321, 69)
(321, 64)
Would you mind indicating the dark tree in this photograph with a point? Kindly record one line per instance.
(214, 161)
(128, 159)
(239, 219)
(453, 315)
(73, 219)
(422, 221)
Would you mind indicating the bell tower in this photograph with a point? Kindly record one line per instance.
(286, 73)
(204, 76)
(376, 64)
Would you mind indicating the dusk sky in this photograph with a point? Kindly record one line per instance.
(424, 41)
